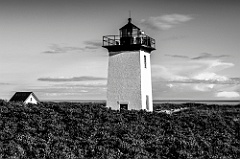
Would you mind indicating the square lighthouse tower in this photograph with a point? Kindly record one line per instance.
(129, 69)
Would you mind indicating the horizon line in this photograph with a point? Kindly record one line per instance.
(156, 100)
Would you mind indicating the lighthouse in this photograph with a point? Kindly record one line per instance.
(129, 84)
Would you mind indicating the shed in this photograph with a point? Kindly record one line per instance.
(25, 97)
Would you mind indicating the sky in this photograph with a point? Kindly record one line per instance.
(54, 47)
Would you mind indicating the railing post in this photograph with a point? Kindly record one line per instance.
(103, 40)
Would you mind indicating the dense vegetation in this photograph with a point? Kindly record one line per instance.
(74, 130)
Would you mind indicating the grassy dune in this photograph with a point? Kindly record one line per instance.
(90, 130)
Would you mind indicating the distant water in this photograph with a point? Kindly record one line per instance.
(219, 102)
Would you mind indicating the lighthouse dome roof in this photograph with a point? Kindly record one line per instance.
(129, 25)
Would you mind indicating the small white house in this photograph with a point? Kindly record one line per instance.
(25, 97)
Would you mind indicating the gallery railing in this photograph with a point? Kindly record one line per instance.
(112, 40)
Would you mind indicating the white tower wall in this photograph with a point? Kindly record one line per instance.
(146, 81)
(129, 80)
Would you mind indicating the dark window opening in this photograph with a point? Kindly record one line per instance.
(145, 61)
(147, 102)
(123, 107)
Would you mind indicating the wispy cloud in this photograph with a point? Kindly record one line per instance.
(56, 49)
(203, 68)
(177, 56)
(71, 79)
(195, 72)
(202, 56)
(89, 45)
(210, 77)
(93, 44)
(165, 22)
(236, 80)
(203, 87)
(203, 73)
(229, 81)
(208, 56)
(54, 94)
(72, 90)
(86, 85)
(4, 83)
(167, 73)
(210, 67)
(226, 94)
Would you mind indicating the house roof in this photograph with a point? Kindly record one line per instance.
(22, 96)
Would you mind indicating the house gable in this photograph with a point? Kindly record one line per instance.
(31, 99)
(26, 97)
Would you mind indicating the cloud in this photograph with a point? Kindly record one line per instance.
(209, 70)
(81, 90)
(165, 22)
(85, 85)
(208, 56)
(198, 75)
(56, 49)
(201, 76)
(210, 76)
(177, 56)
(53, 94)
(194, 71)
(235, 80)
(4, 83)
(226, 94)
(202, 56)
(203, 87)
(166, 73)
(72, 79)
(219, 65)
(93, 44)
(170, 85)
(89, 45)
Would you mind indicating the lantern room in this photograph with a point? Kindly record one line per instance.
(128, 32)
(131, 38)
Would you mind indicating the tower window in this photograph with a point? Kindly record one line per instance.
(145, 61)
(147, 102)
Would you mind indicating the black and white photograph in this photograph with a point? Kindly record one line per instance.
(119, 79)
